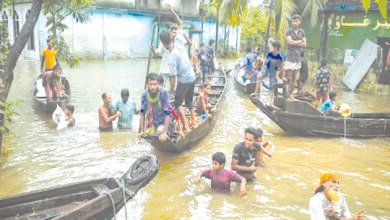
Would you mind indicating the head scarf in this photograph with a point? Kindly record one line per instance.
(327, 177)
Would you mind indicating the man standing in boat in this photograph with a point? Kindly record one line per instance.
(182, 74)
(48, 59)
(177, 33)
(296, 40)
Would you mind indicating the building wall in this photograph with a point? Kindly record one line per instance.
(112, 33)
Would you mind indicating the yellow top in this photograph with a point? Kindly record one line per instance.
(50, 58)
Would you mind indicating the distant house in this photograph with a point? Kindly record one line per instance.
(117, 29)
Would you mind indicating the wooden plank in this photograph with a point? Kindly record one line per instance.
(359, 68)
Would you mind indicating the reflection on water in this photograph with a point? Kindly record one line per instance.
(40, 156)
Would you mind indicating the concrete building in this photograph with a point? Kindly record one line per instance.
(117, 29)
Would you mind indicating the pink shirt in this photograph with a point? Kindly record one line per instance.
(221, 181)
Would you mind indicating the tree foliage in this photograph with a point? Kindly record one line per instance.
(382, 5)
(254, 24)
(56, 12)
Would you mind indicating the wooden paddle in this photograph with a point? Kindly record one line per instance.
(151, 42)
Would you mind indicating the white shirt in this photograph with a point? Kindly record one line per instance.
(164, 67)
(319, 203)
(180, 41)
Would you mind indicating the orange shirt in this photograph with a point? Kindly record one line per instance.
(50, 58)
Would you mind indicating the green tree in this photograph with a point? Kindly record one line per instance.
(10, 54)
(254, 23)
(231, 14)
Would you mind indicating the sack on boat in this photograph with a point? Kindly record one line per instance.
(58, 115)
(40, 90)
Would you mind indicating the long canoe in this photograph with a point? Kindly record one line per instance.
(176, 143)
(41, 101)
(300, 118)
(94, 199)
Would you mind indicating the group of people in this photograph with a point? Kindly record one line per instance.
(288, 68)
(327, 203)
(51, 73)
(246, 157)
(157, 112)
(274, 64)
(203, 60)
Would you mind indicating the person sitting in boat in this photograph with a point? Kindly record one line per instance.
(245, 153)
(267, 148)
(203, 107)
(155, 112)
(273, 63)
(329, 106)
(127, 108)
(106, 113)
(51, 83)
(322, 82)
(328, 203)
(221, 177)
(69, 110)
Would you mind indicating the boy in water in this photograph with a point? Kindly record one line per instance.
(127, 109)
(69, 109)
(221, 177)
(264, 148)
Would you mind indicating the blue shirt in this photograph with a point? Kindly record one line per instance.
(273, 62)
(250, 59)
(203, 58)
(158, 114)
(180, 66)
(326, 106)
(127, 109)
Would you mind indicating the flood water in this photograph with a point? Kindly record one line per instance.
(39, 156)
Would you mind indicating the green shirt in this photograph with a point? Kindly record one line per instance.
(127, 109)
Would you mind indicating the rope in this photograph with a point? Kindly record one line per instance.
(125, 191)
(112, 202)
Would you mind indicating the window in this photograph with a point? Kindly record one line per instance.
(30, 43)
(16, 24)
(4, 18)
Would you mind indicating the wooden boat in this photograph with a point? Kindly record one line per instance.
(41, 101)
(176, 143)
(95, 199)
(299, 117)
(248, 87)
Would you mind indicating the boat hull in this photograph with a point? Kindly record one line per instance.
(92, 199)
(179, 144)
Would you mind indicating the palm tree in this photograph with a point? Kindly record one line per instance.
(231, 13)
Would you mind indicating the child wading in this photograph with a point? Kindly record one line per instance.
(221, 177)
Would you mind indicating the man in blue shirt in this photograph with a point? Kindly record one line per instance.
(182, 74)
(155, 111)
(127, 108)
